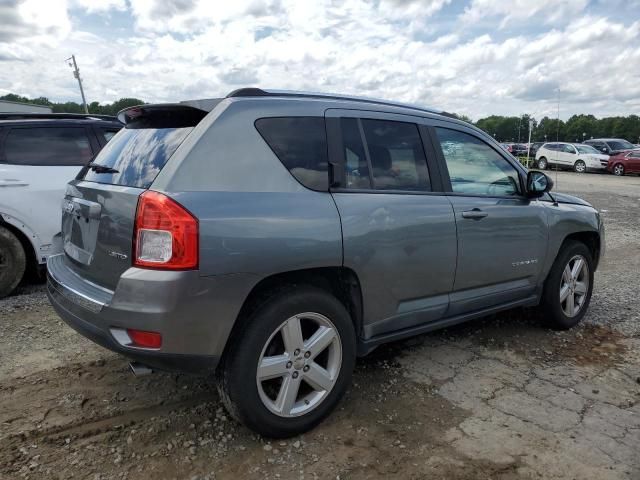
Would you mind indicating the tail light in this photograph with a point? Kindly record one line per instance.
(165, 235)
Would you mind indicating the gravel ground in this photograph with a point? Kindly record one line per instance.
(497, 398)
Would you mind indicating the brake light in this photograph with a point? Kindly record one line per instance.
(165, 235)
(140, 338)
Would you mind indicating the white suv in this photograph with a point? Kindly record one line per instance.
(577, 157)
(39, 154)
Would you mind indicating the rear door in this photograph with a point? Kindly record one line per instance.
(398, 228)
(633, 161)
(99, 206)
(36, 162)
(502, 235)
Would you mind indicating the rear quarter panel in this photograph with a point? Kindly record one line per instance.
(254, 215)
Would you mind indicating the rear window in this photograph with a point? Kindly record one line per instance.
(135, 156)
(301, 145)
(47, 146)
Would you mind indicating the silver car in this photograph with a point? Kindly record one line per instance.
(273, 237)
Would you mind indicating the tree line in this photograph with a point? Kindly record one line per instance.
(504, 129)
(576, 129)
(73, 107)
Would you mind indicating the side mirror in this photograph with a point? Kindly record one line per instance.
(538, 183)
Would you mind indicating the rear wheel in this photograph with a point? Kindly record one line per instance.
(567, 291)
(618, 169)
(291, 365)
(580, 167)
(542, 163)
(13, 262)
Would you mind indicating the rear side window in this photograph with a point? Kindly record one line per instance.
(384, 155)
(134, 157)
(397, 158)
(108, 134)
(301, 145)
(47, 146)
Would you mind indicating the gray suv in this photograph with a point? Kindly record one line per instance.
(273, 237)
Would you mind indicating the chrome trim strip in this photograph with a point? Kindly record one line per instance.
(74, 296)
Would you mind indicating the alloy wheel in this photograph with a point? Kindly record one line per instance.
(574, 285)
(580, 166)
(299, 365)
(618, 170)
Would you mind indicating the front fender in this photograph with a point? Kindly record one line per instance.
(566, 219)
(39, 249)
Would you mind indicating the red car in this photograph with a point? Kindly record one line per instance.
(624, 162)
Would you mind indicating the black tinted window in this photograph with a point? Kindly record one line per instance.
(136, 156)
(476, 168)
(47, 146)
(301, 145)
(397, 158)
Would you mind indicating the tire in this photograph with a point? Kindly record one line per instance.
(13, 262)
(258, 402)
(555, 311)
(618, 170)
(580, 167)
(542, 163)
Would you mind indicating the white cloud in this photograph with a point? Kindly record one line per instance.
(549, 11)
(192, 48)
(101, 6)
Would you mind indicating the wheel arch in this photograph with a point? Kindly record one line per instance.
(342, 282)
(26, 238)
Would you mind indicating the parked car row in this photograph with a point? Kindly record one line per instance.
(39, 154)
(616, 156)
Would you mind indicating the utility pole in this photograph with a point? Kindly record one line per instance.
(529, 144)
(76, 73)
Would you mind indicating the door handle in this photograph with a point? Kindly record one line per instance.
(475, 214)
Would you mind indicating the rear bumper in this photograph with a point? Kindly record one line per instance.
(193, 314)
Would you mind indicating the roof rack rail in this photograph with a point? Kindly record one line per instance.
(59, 116)
(258, 92)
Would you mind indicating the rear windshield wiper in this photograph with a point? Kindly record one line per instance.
(96, 167)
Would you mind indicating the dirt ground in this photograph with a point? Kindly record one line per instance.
(497, 398)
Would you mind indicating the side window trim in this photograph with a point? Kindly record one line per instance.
(367, 154)
(445, 171)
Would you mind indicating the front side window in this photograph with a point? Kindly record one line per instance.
(474, 167)
(568, 148)
(301, 145)
(47, 146)
(586, 149)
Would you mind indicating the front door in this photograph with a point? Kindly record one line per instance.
(399, 232)
(502, 235)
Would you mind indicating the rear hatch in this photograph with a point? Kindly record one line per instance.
(99, 208)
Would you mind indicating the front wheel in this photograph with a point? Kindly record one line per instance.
(567, 290)
(291, 364)
(580, 167)
(542, 163)
(618, 169)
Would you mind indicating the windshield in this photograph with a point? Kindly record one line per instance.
(586, 149)
(621, 145)
(134, 157)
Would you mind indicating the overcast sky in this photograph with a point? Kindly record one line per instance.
(475, 57)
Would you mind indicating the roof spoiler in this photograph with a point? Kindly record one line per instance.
(167, 115)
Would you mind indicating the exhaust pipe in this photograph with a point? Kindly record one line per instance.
(139, 369)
